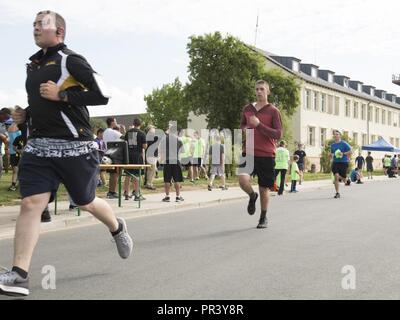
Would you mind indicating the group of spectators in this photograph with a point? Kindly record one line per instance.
(175, 152)
(192, 153)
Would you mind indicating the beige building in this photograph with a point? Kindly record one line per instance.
(329, 101)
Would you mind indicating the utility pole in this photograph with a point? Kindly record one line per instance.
(255, 38)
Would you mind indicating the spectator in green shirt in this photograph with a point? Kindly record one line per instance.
(198, 156)
(295, 173)
(282, 159)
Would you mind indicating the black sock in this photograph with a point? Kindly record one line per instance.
(120, 226)
(21, 272)
(252, 195)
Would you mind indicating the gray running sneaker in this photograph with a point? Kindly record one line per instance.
(123, 241)
(12, 284)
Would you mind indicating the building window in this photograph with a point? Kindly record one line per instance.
(383, 116)
(311, 136)
(296, 66)
(376, 115)
(392, 141)
(315, 101)
(308, 99)
(373, 138)
(337, 104)
(355, 137)
(347, 108)
(363, 112)
(397, 142)
(355, 110)
(389, 118)
(395, 117)
(364, 139)
(323, 102)
(330, 104)
(322, 137)
(346, 133)
(370, 113)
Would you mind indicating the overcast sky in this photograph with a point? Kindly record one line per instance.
(139, 45)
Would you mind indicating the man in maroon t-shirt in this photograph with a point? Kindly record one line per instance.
(259, 155)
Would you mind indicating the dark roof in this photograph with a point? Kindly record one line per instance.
(330, 85)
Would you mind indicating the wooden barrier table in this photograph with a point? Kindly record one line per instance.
(120, 168)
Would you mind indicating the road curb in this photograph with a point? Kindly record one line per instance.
(129, 213)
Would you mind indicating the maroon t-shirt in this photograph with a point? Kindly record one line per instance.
(267, 132)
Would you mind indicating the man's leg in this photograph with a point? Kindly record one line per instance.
(195, 172)
(167, 188)
(177, 189)
(102, 211)
(245, 185)
(190, 172)
(127, 185)
(337, 177)
(113, 182)
(264, 200)
(14, 175)
(283, 179)
(150, 175)
(223, 180)
(136, 186)
(103, 177)
(27, 229)
(212, 177)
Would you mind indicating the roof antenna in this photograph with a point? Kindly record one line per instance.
(255, 39)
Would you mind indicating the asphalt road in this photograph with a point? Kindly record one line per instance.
(217, 253)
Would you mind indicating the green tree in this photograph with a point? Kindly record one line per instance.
(326, 162)
(167, 104)
(97, 124)
(222, 74)
(285, 91)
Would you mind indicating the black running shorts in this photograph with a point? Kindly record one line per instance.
(264, 169)
(172, 172)
(340, 168)
(39, 175)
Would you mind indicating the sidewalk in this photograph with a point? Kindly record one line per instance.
(151, 206)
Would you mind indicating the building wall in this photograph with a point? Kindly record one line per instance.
(310, 115)
(332, 116)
